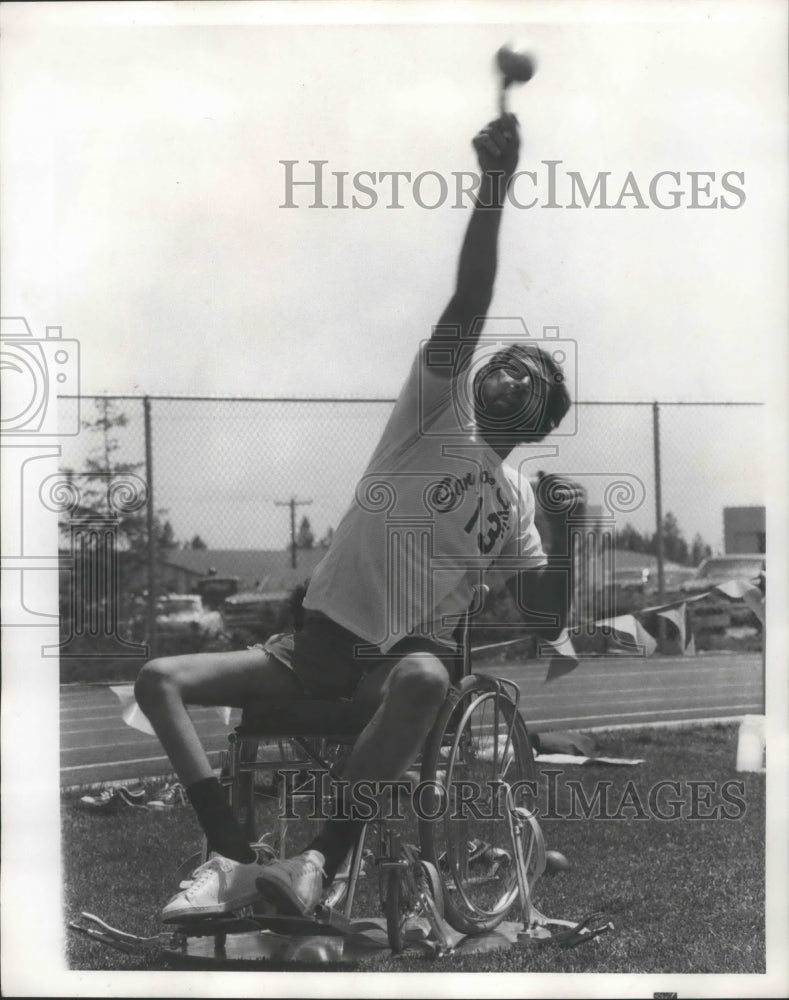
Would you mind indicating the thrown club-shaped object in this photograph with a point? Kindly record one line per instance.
(514, 67)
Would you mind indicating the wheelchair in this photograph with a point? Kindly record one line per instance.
(446, 879)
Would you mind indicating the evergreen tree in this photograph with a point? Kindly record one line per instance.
(166, 537)
(104, 467)
(305, 538)
(630, 539)
(675, 548)
(699, 550)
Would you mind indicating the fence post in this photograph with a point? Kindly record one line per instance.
(659, 521)
(151, 532)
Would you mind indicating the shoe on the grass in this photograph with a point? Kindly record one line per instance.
(170, 797)
(216, 887)
(105, 801)
(294, 886)
(129, 797)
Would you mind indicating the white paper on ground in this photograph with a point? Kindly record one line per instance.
(569, 758)
(130, 711)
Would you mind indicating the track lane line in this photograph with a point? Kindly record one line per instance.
(133, 744)
(578, 674)
(115, 763)
(87, 715)
(735, 709)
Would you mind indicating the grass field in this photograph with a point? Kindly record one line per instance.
(686, 894)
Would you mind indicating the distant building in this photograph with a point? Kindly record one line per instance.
(744, 529)
(270, 572)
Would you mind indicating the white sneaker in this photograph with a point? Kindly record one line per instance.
(218, 886)
(106, 801)
(293, 886)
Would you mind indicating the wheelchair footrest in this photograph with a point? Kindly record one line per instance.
(565, 933)
(130, 944)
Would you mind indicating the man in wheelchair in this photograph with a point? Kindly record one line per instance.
(377, 608)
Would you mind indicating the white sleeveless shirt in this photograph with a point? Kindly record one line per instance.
(434, 512)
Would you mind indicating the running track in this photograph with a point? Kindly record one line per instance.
(97, 746)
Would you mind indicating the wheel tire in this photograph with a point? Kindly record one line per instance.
(393, 906)
(458, 749)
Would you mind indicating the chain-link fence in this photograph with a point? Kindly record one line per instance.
(241, 489)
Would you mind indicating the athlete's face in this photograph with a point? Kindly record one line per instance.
(510, 394)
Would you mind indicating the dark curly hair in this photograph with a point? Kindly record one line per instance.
(538, 421)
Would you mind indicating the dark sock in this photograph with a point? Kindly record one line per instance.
(217, 821)
(336, 838)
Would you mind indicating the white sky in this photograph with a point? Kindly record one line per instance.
(142, 191)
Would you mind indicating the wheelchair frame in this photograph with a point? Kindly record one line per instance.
(419, 886)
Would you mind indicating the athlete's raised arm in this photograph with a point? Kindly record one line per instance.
(497, 148)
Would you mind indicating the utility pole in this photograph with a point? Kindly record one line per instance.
(659, 524)
(293, 503)
(150, 610)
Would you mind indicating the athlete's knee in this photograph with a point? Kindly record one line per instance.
(156, 677)
(421, 680)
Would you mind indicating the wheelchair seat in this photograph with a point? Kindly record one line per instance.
(337, 720)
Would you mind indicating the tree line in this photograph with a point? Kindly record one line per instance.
(675, 547)
(132, 530)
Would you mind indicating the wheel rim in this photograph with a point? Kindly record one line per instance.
(472, 847)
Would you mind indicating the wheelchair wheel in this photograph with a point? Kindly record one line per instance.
(403, 888)
(477, 747)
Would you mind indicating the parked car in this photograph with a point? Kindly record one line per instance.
(214, 589)
(674, 578)
(718, 569)
(253, 615)
(635, 578)
(184, 614)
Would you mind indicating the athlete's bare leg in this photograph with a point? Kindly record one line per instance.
(410, 696)
(165, 686)
(412, 693)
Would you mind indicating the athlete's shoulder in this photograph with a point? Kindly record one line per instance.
(521, 487)
(518, 478)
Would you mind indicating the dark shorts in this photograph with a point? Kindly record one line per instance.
(330, 661)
